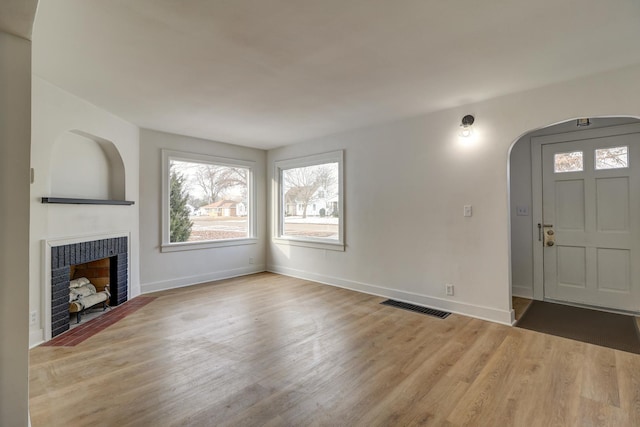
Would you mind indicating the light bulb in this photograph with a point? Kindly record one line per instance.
(465, 131)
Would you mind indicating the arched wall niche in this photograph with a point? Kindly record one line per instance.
(86, 166)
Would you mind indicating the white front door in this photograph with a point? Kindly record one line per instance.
(591, 215)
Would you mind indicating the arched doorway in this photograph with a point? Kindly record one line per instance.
(571, 272)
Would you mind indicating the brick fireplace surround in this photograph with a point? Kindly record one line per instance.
(62, 257)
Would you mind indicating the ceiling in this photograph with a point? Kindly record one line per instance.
(266, 73)
(16, 17)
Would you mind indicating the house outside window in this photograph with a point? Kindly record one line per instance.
(309, 206)
(207, 201)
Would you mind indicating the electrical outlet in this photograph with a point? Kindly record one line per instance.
(250, 260)
(449, 289)
(33, 317)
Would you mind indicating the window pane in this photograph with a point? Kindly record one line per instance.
(568, 162)
(207, 202)
(310, 198)
(612, 158)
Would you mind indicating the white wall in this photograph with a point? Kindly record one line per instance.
(80, 168)
(522, 231)
(55, 113)
(163, 270)
(15, 116)
(521, 240)
(407, 182)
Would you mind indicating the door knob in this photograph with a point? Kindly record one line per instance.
(550, 243)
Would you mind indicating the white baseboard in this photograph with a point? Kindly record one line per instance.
(522, 292)
(485, 313)
(146, 288)
(36, 337)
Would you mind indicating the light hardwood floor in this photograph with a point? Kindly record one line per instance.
(273, 350)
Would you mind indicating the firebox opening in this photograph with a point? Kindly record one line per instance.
(96, 271)
(89, 290)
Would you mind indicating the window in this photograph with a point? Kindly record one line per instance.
(207, 201)
(612, 158)
(309, 207)
(568, 162)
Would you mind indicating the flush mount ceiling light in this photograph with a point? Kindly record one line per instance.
(466, 125)
(583, 122)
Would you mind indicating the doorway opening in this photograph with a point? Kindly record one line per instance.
(582, 252)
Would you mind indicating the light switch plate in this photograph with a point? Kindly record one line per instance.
(467, 210)
(522, 210)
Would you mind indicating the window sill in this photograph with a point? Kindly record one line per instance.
(310, 243)
(192, 246)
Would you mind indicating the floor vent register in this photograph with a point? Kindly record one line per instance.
(416, 308)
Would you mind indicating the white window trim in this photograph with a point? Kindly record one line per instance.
(278, 213)
(166, 245)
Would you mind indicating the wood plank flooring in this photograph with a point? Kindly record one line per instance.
(273, 350)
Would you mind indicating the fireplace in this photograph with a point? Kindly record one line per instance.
(64, 258)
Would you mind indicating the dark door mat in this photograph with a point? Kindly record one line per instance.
(617, 331)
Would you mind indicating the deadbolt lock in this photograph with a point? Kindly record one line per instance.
(549, 235)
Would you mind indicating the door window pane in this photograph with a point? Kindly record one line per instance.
(568, 162)
(612, 158)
